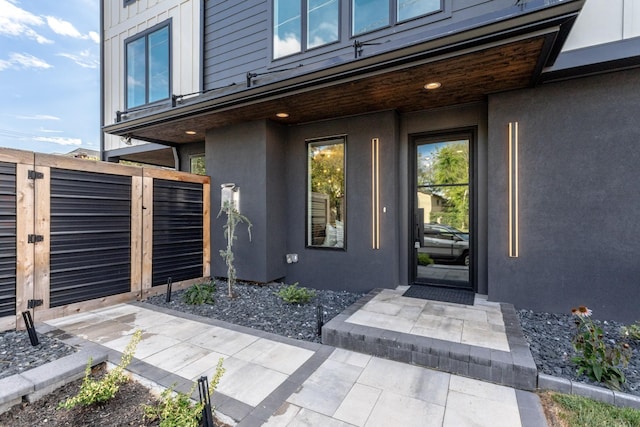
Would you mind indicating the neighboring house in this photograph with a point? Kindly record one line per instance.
(83, 153)
(290, 100)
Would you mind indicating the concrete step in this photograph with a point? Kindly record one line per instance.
(514, 368)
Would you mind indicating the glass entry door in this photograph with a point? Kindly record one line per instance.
(441, 210)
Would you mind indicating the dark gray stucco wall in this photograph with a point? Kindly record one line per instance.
(359, 267)
(186, 151)
(579, 197)
(250, 155)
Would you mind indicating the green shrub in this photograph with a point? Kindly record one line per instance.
(200, 293)
(424, 259)
(97, 391)
(598, 360)
(177, 409)
(631, 331)
(292, 294)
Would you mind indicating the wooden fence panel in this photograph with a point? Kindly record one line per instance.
(101, 233)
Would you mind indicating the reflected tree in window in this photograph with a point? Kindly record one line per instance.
(445, 173)
(326, 198)
(197, 165)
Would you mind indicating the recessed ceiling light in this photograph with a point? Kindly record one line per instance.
(432, 85)
(282, 115)
(190, 132)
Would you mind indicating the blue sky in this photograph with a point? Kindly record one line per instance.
(50, 75)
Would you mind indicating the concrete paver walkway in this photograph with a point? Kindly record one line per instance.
(275, 381)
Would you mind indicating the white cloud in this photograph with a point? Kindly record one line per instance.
(290, 44)
(94, 36)
(64, 28)
(59, 140)
(23, 60)
(38, 117)
(18, 22)
(43, 130)
(83, 59)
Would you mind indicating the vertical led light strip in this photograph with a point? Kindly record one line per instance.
(513, 190)
(375, 193)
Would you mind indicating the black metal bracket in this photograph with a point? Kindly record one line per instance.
(35, 238)
(35, 175)
(33, 303)
(358, 47)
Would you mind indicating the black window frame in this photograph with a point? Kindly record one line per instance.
(145, 34)
(393, 17)
(128, 2)
(304, 30)
(315, 141)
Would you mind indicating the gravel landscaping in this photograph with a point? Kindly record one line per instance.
(258, 306)
(18, 355)
(549, 337)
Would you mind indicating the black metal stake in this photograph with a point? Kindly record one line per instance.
(203, 389)
(33, 336)
(168, 298)
(319, 319)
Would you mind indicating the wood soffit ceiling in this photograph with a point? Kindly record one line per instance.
(465, 78)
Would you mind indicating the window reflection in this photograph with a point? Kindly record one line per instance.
(369, 15)
(159, 65)
(322, 22)
(287, 27)
(148, 65)
(408, 9)
(326, 193)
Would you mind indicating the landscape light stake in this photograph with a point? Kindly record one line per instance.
(168, 298)
(319, 319)
(203, 389)
(31, 330)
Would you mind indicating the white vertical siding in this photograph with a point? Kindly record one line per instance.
(123, 22)
(604, 21)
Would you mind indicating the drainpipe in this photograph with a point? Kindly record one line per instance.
(176, 158)
(102, 157)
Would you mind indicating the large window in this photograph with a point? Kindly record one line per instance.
(320, 23)
(148, 66)
(369, 15)
(326, 209)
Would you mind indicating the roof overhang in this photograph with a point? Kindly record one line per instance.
(488, 57)
(148, 154)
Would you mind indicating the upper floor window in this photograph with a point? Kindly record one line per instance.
(148, 66)
(369, 15)
(320, 24)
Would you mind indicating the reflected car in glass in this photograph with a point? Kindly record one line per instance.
(445, 243)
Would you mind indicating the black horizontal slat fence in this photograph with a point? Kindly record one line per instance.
(7, 239)
(177, 231)
(90, 236)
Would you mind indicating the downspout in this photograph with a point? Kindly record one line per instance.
(102, 157)
(201, 63)
(176, 158)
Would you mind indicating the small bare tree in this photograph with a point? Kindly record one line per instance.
(233, 219)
